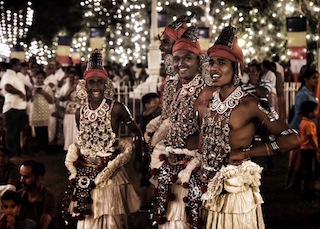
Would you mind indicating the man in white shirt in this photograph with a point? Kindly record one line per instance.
(14, 107)
(52, 81)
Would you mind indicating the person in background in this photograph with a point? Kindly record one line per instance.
(310, 153)
(42, 96)
(52, 81)
(38, 202)
(268, 74)
(151, 109)
(69, 99)
(14, 107)
(9, 177)
(102, 194)
(309, 64)
(11, 205)
(256, 85)
(305, 93)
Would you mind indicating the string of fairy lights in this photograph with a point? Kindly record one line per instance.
(14, 26)
(127, 26)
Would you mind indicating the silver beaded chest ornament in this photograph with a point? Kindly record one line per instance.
(215, 131)
(182, 113)
(95, 139)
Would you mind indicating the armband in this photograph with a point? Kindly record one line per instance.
(288, 131)
(136, 138)
(129, 122)
(266, 108)
(275, 147)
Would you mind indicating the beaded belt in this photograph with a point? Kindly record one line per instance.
(178, 159)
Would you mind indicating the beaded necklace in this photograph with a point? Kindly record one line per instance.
(215, 130)
(170, 88)
(183, 123)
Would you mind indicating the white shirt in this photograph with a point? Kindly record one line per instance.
(271, 77)
(13, 100)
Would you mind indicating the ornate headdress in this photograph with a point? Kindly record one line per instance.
(178, 27)
(95, 66)
(188, 41)
(227, 46)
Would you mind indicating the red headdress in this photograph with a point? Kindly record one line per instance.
(178, 27)
(227, 46)
(95, 66)
(188, 42)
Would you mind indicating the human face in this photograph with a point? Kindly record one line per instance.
(10, 208)
(312, 82)
(39, 79)
(27, 178)
(221, 71)
(155, 102)
(50, 69)
(254, 75)
(186, 65)
(95, 87)
(166, 44)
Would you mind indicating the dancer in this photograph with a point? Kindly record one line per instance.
(228, 124)
(173, 160)
(103, 195)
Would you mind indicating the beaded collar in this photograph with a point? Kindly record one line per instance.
(92, 115)
(230, 102)
(183, 123)
(215, 130)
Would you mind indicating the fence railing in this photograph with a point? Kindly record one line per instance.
(124, 95)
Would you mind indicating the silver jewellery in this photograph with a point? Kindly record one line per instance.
(215, 130)
(236, 77)
(265, 107)
(109, 91)
(95, 130)
(288, 131)
(229, 103)
(92, 115)
(182, 117)
(205, 68)
(81, 91)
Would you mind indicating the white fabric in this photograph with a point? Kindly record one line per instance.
(233, 198)
(176, 214)
(59, 74)
(6, 187)
(51, 79)
(110, 222)
(70, 130)
(52, 128)
(271, 77)
(13, 100)
(26, 80)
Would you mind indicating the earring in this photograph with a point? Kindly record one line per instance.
(81, 91)
(205, 68)
(109, 90)
(236, 80)
(168, 64)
